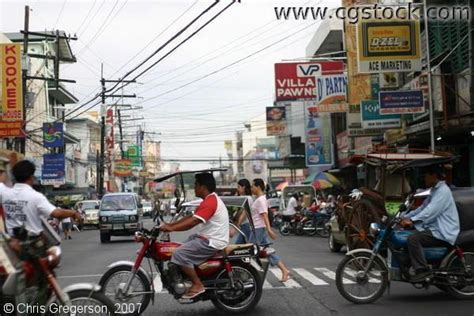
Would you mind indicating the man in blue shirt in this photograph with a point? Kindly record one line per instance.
(436, 222)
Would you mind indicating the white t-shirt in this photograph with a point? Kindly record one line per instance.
(259, 207)
(3, 190)
(215, 217)
(291, 207)
(24, 206)
(67, 220)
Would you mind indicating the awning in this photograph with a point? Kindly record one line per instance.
(62, 95)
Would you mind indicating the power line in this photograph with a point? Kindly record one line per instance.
(157, 36)
(60, 13)
(167, 43)
(228, 65)
(87, 15)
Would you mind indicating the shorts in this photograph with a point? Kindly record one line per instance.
(193, 252)
(67, 226)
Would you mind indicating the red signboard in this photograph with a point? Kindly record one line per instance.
(11, 129)
(297, 81)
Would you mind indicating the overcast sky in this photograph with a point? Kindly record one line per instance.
(195, 120)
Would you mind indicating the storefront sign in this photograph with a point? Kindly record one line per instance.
(331, 89)
(276, 121)
(318, 138)
(389, 46)
(53, 171)
(123, 168)
(12, 94)
(53, 135)
(371, 117)
(134, 155)
(11, 129)
(297, 81)
(401, 102)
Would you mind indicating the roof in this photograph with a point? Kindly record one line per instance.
(65, 52)
(62, 94)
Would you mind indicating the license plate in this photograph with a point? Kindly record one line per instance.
(117, 226)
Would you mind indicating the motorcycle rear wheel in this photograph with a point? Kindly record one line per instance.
(237, 301)
(321, 229)
(461, 292)
(123, 273)
(310, 232)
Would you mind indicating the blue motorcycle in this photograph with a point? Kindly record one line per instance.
(363, 275)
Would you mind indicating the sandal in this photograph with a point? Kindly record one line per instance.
(286, 279)
(193, 294)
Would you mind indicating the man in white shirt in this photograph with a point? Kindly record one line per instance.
(293, 205)
(3, 189)
(24, 207)
(212, 236)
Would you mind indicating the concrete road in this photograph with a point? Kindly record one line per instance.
(311, 291)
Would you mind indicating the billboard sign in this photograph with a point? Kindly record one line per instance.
(53, 170)
(53, 135)
(372, 119)
(297, 81)
(401, 102)
(331, 89)
(389, 45)
(11, 129)
(134, 155)
(123, 168)
(276, 121)
(318, 145)
(12, 94)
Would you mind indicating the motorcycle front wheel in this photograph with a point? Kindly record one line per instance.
(244, 296)
(357, 286)
(138, 295)
(84, 302)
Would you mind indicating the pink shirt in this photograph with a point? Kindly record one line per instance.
(259, 207)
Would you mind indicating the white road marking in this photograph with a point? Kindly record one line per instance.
(288, 284)
(157, 284)
(310, 277)
(330, 274)
(267, 285)
(79, 276)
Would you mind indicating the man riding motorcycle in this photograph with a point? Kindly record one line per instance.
(24, 207)
(212, 237)
(437, 223)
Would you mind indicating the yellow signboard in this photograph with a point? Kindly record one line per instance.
(389, 46)
(12, 94)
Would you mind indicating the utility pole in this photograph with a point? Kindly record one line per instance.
(21, 143)
(103, 110)
(25, 74)
(430, 88)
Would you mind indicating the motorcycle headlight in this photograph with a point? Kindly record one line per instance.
(374, 229)
(132, 218)
(103, 219)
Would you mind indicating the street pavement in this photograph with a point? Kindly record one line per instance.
(311, 291)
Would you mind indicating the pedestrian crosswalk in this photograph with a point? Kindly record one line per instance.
(304, 277)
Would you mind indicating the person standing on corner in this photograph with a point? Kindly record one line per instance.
(263, 230)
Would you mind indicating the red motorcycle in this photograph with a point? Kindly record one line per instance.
(233, 278)
(27, 278)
